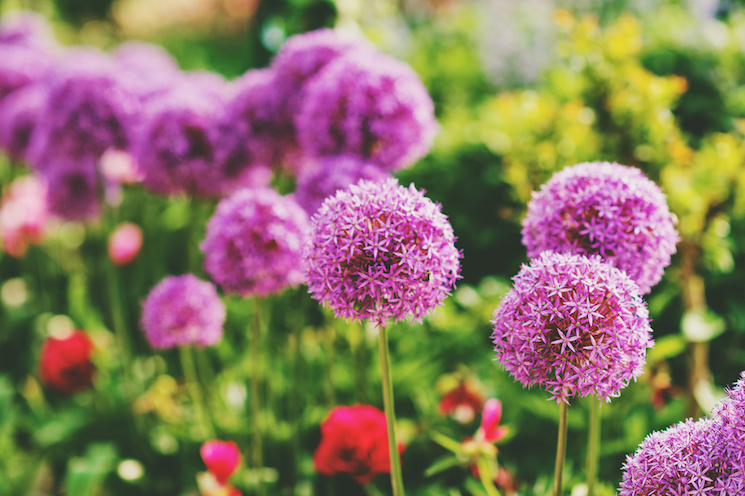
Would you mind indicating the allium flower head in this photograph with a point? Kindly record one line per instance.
(380, 251)
(183, 310)
(606, 209)
(23, 214)
(26, 28)
(148, 69)
(687, 458)
(330, 175)
(65, 363)
(254, 241)
(221, 458)
(572, 325)
(354, 441)
(21, 66)
(19, 114)
(731, 413)
(369, 105)
(73, 191)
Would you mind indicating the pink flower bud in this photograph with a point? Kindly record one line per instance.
(119, 167)
(490, 418)
(222, 458)
(125, 243)
(23, 215)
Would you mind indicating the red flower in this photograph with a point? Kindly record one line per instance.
(65, 364)
(354, 441)
(222, 458)
(462, 403)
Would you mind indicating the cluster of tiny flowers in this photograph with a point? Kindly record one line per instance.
(574, 326)
(183, 310)
(731, 412)
(380, 251)
(254, 241)
(606, 209)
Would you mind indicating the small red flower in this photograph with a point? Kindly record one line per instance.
(462, 403)
(222, 458)
(65, 364)
(354, 441)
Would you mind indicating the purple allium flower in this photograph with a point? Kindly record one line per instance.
(183, 310)
(21, 66)
(26, 28)
(572, 325)
(88, 111)
(177, 146)
(253, 242)
(330, 175)
(731, 412)
(73, 191)
(685, 459)
(606, 209)
(19, 114)
(380, 251)
(148, 69)
(369, 105)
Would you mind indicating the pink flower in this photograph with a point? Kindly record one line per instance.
(23, 214)
(119, 167)
(125, 243)
(222, 458)
(462, 403)
(489, 430)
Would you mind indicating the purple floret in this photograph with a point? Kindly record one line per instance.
(253, 243)
(379, 251)
(368, 105)
(19, 114)
(74, 189)
(183, 311)
(606, 209)
(731, 412)
(331, 174)
(574, 326)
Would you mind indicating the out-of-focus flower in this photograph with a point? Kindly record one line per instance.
(573, 325)
(19, 115)
(606, 209)
(125, 243)
(330, 175)
(368, 105)
(462, 402)
(73, 189)
(210, 486)
(23, 214)
(119, 167)
(26, 28)
(731, 413)
(490, 430)
(148, 69)
(662, 387)
(65, 363)
(183, 310)
(254, 241)
(222, 458)
(506, 482)
(380, 251)
(354, 441)
(21, 66)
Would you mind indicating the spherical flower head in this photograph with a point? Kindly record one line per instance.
(19, 115)
(182, 311)
(125, 243)
(254, 242)
(178, 144)
(148, 69)
(222, 458)
(574, 326)
(88, 111)
(687, 458)
(380, 251)
(354, 441)
(331, 174)
(26, 28)
(73, 189)
(731, 412)
(65, 363)
(368, 105)
(606, 209)
(23, 214)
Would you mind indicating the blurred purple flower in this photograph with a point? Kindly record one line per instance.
(368, 105)
(148, 69)
(26, 28)
(572, 325)
(330, 175)
(380, 251)
(19, 114)
(21, 66)
(253, 242)
(181, 311)
(73, 191)
(606, 209)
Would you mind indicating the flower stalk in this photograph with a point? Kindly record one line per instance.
(593, 445)
(561, 447)
(390, 414)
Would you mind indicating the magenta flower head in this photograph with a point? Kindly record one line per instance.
(574, 326)
(606, 209)
(183, 310)
(330, 175)
(19, 115)
(380, 251)
(687, 458)
(368, 105)
(254, 241)
(222, 458)
(26, 28)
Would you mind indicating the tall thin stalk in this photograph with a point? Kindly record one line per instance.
(487, 478)
(390, 415)
(561, 447)
(256, 451)
(593, 444)
(192, 382)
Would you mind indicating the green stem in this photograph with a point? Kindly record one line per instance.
(190, 374)
(487, 478)
(561, 447)
(390, 415)
(256, 454)
(593, 445)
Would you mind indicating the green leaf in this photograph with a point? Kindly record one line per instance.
(667, 347)
(86, 474)
(446, 442)
(441, 465)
